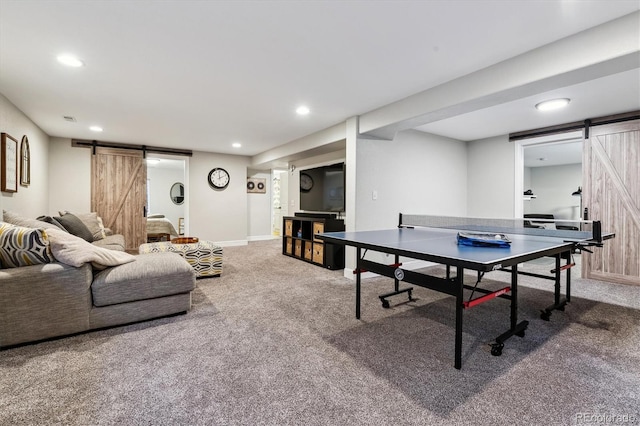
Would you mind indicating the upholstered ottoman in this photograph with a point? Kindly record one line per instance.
(204, 257)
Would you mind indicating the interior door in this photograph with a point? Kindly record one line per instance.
(611, 192)
(118, 193)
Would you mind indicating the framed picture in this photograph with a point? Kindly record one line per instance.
(25, 162)
(9, 167)
(256, 185)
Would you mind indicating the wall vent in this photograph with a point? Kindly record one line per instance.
(69, 118)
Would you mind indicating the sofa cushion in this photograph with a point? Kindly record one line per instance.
(91, 221)
(16, 219)
(51, 220)
(150, 276)
(74, 251)
(75, 226)
(111, 242)
(21, 246)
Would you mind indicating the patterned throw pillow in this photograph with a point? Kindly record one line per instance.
(20, 246)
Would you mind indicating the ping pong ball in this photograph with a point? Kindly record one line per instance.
(498, 236)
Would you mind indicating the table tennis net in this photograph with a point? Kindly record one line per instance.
(571, 230)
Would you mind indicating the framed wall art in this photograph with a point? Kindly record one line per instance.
(257, 185)
(25, 162)
(9, 166)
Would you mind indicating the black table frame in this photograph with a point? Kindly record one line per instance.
(455, 286)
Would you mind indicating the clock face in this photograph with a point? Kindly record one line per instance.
(218, 178)
(306, 182)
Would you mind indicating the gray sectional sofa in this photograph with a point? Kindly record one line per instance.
(55, 298)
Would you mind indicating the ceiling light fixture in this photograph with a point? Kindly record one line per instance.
(552, 104)
(236, 145)
(95, 128)
(302, 110)
(70, 61)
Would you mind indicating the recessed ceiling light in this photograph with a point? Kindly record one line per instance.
(70, 61)
(95, 128)
(236, 145)
(302, 110)
(552, 104)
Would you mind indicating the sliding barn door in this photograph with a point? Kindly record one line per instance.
(119, 193)
(612, 194)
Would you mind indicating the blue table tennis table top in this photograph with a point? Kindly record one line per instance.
(440, 245)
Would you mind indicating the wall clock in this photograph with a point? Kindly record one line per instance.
(218, 178)
(306, 182)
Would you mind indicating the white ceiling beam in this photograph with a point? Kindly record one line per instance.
(600, 51)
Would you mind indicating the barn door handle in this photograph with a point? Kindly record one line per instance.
(144, 211)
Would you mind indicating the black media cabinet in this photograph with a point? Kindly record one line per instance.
(299, 239)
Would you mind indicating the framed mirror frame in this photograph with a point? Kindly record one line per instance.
(177, 193)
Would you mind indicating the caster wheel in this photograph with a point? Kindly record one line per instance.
(545, 315)
(520, 333)
(561, 308)
(496, 349)
(385, 304)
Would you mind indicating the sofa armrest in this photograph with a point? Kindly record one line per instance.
(43, 301)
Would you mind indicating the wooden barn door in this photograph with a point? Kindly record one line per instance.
(611, 192)
(119, 193)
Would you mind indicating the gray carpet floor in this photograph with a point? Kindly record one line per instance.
(274, 341)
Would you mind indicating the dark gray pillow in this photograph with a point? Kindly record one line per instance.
(75, 226)
(52, 221)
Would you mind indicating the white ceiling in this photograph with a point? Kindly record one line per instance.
(203, 74)
(553, 153)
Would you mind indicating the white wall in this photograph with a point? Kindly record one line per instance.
(219, 216)
(30, 201)
(259, 209)
(160, 180)
(69, 177)
(553, 186)
(416, 173)
(490, 177)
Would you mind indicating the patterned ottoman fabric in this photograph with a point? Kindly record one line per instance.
(204, 257)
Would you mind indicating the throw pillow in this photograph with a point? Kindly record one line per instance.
(51, 220)
(21, 246)
(74, 251)
(91, 221)
(16, 219)
(75, 226)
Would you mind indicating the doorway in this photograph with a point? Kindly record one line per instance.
(548, 176)
(167, 191)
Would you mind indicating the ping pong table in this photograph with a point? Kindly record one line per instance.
(434, 239)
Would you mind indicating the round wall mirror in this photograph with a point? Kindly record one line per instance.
(177, 193)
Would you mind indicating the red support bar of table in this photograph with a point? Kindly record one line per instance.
(488, 296)
(562, 268)
(393, 265)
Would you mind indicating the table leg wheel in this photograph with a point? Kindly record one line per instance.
(496, 349)
(385, 304)
(545, 315)
(520, 333)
